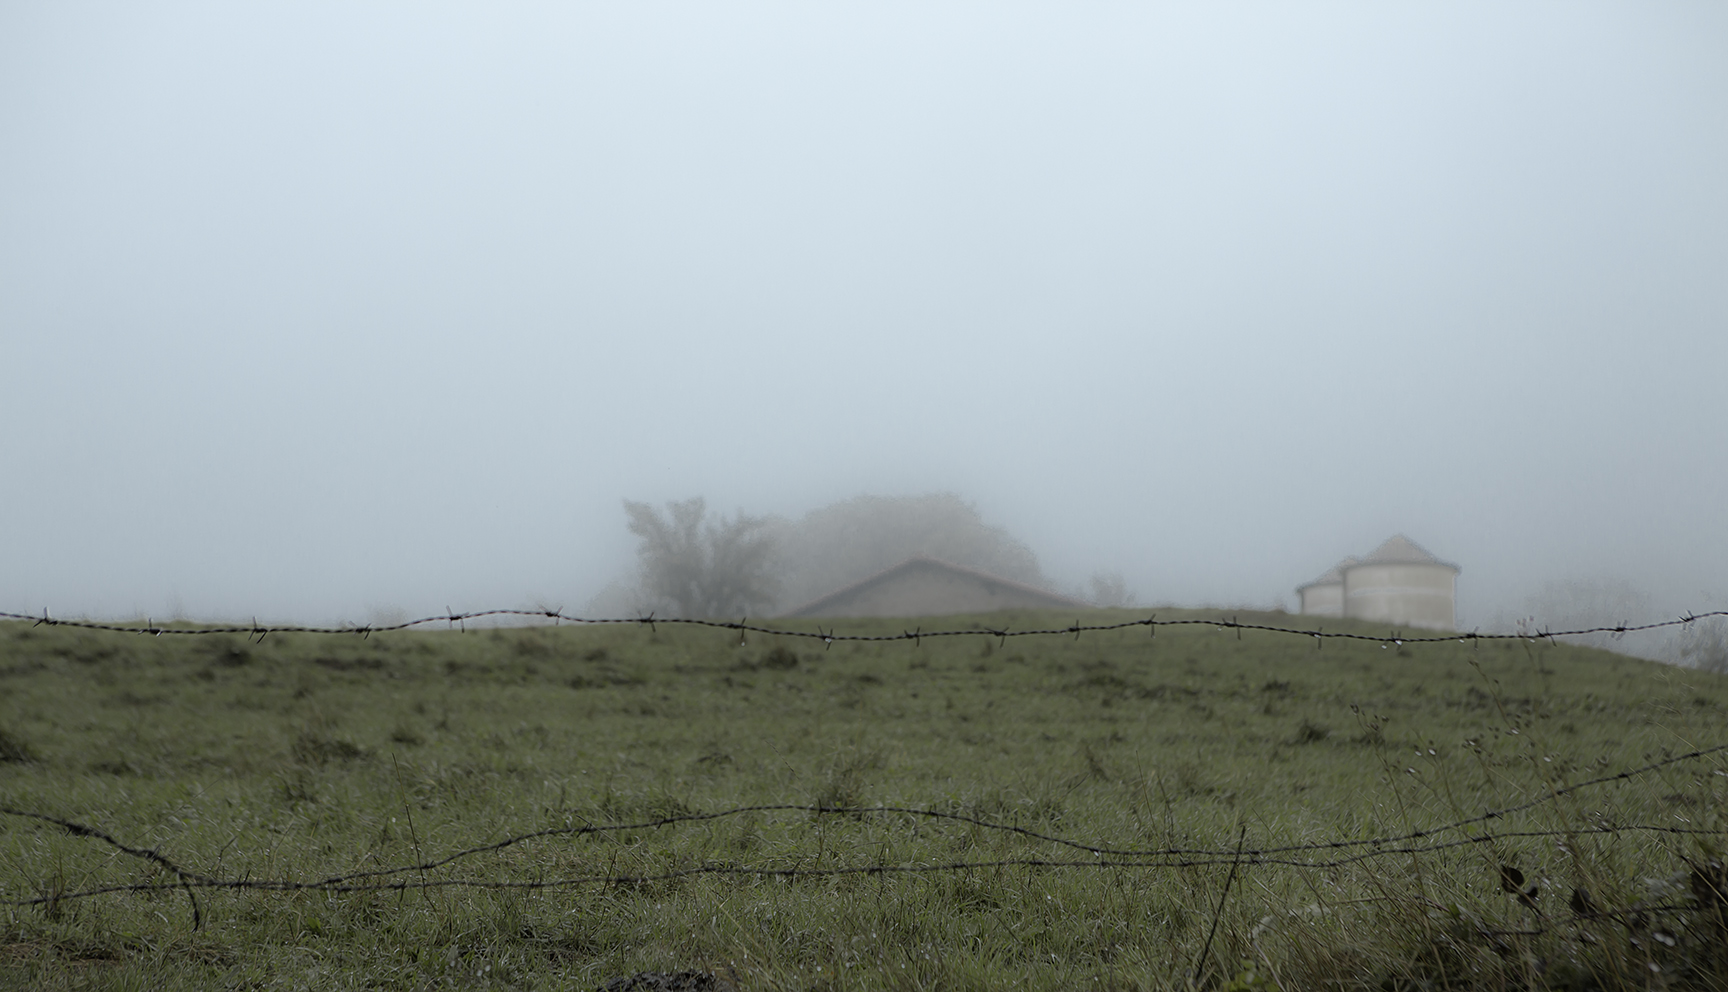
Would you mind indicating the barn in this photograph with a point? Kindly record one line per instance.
(930, 587)
(1398, 583)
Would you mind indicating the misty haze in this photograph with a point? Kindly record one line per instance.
(1382, 322)
(315, 314)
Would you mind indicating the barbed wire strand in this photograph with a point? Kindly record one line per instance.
(831, 635)
(1174, 857)
(81, 830)
(1246, 859)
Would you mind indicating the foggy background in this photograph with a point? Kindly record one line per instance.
(318, 311)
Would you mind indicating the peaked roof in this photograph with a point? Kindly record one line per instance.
(1400, 550)
(1333, 576)
(814, 607)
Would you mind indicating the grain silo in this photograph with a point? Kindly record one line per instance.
(1402, 584)
(1324, 597)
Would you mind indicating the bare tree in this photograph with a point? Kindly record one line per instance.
(703, 569)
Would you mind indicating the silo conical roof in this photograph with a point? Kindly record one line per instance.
(1399, 549)
(1332, 576)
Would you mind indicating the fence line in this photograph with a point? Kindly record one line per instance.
(831, 635)
(381, 880)
(1102, 856)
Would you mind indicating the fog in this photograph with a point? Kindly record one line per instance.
(326, 311)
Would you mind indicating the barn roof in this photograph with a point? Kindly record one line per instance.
(1400, 550)
(817, 606)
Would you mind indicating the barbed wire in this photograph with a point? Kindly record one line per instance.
(1247, 858)
(346, 885)
(1104, 856)
(832, 635)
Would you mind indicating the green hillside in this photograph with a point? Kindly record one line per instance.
(309, 756)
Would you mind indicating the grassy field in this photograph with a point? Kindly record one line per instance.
(311, 756)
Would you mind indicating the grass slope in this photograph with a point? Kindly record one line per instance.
(307, 756)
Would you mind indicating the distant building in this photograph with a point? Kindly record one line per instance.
(1398, 583)
(928, 587)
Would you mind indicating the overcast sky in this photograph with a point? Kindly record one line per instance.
(314, 310)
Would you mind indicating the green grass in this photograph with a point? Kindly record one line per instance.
(308, 756)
